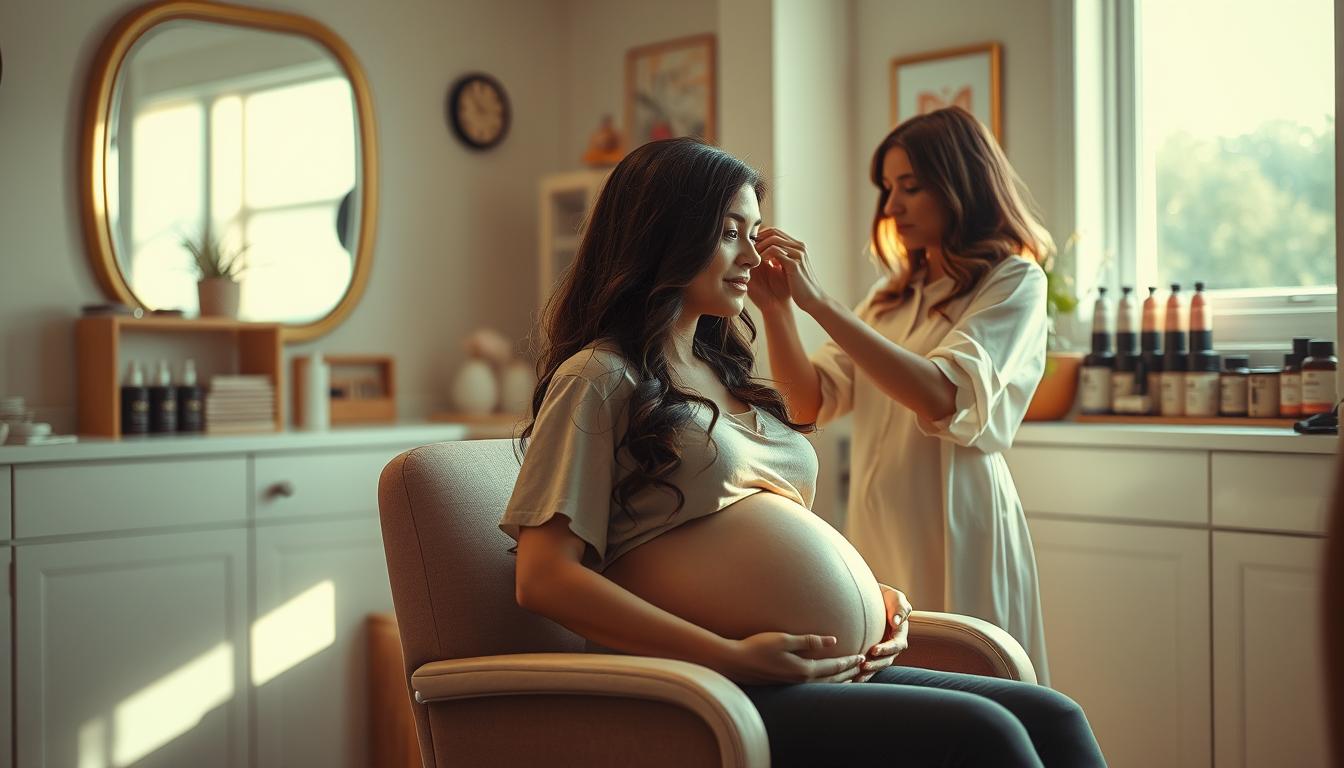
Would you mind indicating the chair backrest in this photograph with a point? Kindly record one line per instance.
(449, 564)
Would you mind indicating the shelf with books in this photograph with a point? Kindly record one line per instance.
(105, 345)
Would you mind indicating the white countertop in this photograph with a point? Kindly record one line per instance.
(1181, 437)
(1055, 433)
(98, 448)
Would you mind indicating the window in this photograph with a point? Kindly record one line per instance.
(1205, 141)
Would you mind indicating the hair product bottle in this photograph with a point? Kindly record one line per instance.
(1172, 378)
(190, 400)
(1201, 385)
(134, 401)
(1150, 350)
(1201, 321)
(1318, 378)
(1124, 378)
(162, 401)
(1234, 386)
(1290, 381)
(1174, 327)
(1099, 365)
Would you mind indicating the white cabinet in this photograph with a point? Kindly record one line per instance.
(1110, 483)
(1127, 634)
(1269, 696)
(316, 583)
(336, 484)
(133, 651)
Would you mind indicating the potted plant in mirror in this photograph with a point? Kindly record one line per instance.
(219, 268)
(1059, 384)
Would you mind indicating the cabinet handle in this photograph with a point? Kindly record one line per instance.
(283, 488)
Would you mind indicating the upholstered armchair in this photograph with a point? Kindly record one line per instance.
(492, 684)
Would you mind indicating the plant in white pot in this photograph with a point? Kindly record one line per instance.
(219, 267)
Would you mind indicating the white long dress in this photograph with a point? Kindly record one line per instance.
(932, 506)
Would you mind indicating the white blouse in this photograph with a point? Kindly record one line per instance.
(932, 507)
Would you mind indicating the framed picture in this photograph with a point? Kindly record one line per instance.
(967, 77)
(671, 90)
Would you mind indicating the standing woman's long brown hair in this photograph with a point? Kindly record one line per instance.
(988, 215)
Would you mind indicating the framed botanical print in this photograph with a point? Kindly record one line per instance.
(968, 77)
(671, 90)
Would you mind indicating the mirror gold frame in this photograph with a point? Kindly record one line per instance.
(93, 140)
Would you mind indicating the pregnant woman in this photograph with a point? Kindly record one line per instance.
(662, 504)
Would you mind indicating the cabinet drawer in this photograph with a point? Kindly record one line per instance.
(1162, 486)
(1272, 491)
(6, 512)
(341, 484)
(52, 500)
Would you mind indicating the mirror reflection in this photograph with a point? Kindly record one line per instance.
(251, 133)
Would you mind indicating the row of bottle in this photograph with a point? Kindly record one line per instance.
(161, 407)
(1197, 385)
(1175, 372)
(1180, 327)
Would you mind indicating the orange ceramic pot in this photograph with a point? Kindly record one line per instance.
(1054, 397)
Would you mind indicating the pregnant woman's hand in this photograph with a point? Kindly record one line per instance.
(773, 658)
(894, 640)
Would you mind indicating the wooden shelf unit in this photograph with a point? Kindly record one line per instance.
(97, 355)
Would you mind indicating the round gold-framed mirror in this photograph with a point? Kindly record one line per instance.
(209, 124)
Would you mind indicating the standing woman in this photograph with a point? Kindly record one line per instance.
(937, 364)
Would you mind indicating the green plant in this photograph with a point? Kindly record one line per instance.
(213, 258)
(1060, 297)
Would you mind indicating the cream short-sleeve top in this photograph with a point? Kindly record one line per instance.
(571, 464)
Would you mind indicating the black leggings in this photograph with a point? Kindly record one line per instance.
(915, 717)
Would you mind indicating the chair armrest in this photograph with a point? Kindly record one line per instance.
(956, 643)
(730, 715)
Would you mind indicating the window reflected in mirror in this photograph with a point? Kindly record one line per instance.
(251, 132)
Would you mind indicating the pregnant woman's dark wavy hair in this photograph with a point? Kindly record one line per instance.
(656, 225)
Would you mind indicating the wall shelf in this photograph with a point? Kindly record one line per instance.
(101, 344)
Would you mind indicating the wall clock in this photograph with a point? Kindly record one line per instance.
(478, 110)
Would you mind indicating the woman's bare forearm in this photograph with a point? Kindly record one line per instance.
(792, 371)
(910, 379)
(606, 613)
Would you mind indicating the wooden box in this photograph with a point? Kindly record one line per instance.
(363, 389)
(105, 344)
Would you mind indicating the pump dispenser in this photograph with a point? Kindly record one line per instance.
(1201, 321)
(190, 400)
(1099, 365)
(162, 401)
(134, 401)
(1126, 337)
(1174, 327)
(1150, 333)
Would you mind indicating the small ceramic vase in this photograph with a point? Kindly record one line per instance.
(475, 388)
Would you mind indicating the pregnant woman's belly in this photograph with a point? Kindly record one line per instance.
(764, 564)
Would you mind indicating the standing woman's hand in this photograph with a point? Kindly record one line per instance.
(895, 639)
(768, 288)
(790, 256)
